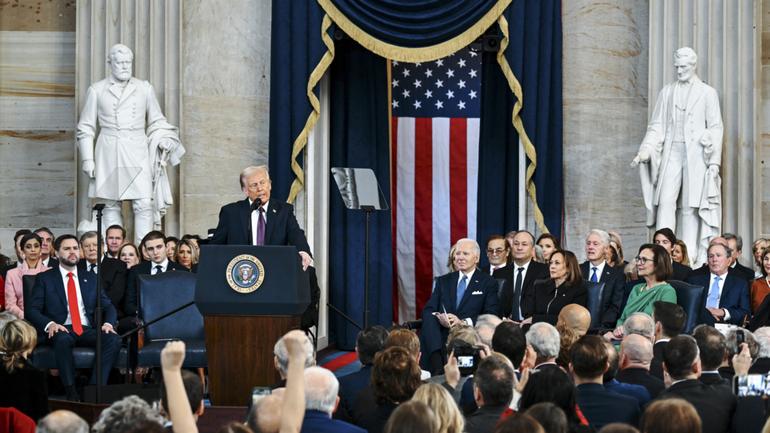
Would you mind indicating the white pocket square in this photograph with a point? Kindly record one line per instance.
(477, 292)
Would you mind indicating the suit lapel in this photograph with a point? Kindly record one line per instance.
(245, 216)
(272, 213)
(59, 287)
(728, 284)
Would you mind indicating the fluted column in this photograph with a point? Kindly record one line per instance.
(724, 35)
(152, 29)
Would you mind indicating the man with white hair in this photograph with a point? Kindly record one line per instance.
(135, 142)
(320, 403)
(596, 270)
(62, 421)
(762, 364)
(641, 324)
(485, 327)
(681, 153)
(635, 358)
(281, 354)
(458, 297)
(545, 340)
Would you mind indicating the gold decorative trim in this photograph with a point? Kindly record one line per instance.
(518, 123)
(413, 55)
(301, 141)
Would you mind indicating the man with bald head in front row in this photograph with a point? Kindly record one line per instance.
(458, 297)
(575, 317)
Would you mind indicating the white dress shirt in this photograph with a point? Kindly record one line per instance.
(721, 288)
(81, 305)
(599, 270)
(163, 265)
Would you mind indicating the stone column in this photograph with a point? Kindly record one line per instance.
(724, 35)
(152, 29)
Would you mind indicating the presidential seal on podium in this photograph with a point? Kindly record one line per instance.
(245, 273)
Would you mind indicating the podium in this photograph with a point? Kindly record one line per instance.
(249, 297)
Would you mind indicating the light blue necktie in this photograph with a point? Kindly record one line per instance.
(461, 289)
(593, 275)
(713, 299)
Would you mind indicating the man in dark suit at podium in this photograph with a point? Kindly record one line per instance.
(459, 297)
(258, 220)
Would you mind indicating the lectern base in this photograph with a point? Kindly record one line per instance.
(240, 354)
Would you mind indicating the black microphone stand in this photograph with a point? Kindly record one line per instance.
(99, 207)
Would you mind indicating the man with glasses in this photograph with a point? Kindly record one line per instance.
(497, 253)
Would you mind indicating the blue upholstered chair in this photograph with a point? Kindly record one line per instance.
(159, 295)
(594, 302)
(692, 299)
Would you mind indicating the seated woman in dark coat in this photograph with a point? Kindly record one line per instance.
(21, 385)
(564, 287)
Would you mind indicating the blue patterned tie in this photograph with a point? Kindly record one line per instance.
(461, 289)
(593, 275)
(713, 299)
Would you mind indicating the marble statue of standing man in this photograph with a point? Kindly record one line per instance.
(680, 156)
(134, 145)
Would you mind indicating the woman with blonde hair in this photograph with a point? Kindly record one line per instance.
(436, 397)
(187, 254)
(21, 385)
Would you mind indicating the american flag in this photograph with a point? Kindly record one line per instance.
(435, 146)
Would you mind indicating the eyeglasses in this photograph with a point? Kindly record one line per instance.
(642, 260)
(495, 251)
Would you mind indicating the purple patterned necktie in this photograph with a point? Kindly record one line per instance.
(261, 227)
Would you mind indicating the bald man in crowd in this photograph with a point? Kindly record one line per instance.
(635, 359)
(575, 317)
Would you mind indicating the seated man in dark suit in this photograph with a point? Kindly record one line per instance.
(459, 296)
(258, 220)
(62, 309)
(597, 270)
(47, 250)
(728, 294)
(588, 362)
(666, 238)
(735, 243)
(321, 401)
(112, 274)
(714, 404)
(669, 322)
(368, 342)
(517, 298)
(635, 358)
(610, 382)
(493, 392)
(155, 244)
(498, 253)
(712, 347)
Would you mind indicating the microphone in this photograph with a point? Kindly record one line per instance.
(256, 204)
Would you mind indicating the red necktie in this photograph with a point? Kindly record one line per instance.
(72, 300)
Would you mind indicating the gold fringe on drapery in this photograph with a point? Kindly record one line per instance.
(414, 55)
(518, 124)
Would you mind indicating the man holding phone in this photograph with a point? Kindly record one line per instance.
(458, 297)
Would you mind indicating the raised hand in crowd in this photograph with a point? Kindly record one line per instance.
(179, 411)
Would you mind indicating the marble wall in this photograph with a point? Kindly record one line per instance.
(37, 117)
(605, 117)
(762, 162)
(225, 103)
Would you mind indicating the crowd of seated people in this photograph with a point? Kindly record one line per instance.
(518, 353)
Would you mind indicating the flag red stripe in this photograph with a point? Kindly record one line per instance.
(423, 211)
(393, 212)
(458, 183)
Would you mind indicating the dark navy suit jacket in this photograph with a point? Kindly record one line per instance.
(319, 422)
(602, 407)
(734, 298)
(132, 286)
(350, 386)
(614, 288)
(480, 297)
(281, 227)
(49, 299)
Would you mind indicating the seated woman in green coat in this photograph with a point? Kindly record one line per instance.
(653, 263)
